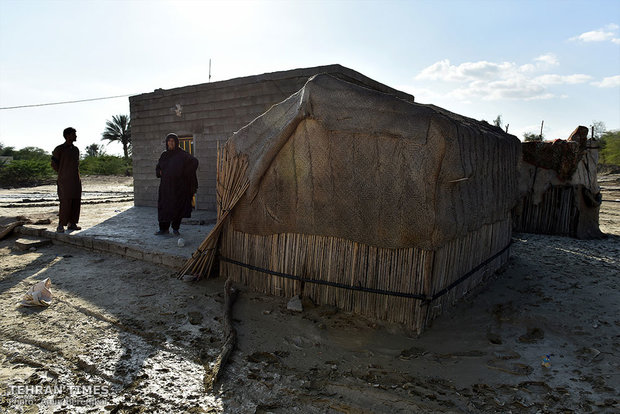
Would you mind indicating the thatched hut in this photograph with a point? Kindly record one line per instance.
(559, 187)
(361, 200)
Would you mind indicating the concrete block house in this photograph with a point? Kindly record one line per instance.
(203, 115)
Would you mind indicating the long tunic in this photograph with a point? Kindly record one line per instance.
(177, 170)
(66, 162)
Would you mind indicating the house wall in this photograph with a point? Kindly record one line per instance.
(211, 113)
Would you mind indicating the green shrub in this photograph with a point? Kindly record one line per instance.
(610, 148)
(23, 173)
(32, 153)
(105, 165)
(530, 136)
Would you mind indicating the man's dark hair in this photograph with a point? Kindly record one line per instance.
(67, 131)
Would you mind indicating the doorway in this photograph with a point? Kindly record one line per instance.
(187, 144)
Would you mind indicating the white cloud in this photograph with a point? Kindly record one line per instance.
(468, 71)
(504, 89)
(594, 36)
(505, 80)
(483, 70)
(609, 82)
(609, 32)
(560, 79)
(548, 59)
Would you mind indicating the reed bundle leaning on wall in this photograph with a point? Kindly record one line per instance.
(231, 185)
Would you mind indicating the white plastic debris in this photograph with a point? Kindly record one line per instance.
(180, 242)
(38, 294)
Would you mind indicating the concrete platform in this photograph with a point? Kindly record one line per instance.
(131, 233)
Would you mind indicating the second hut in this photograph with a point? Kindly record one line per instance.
(559, 187)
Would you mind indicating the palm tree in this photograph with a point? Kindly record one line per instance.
(119, 129)
(94, 150)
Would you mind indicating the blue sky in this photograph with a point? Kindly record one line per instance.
(528, 61)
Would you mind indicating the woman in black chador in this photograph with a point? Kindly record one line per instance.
(177, 171)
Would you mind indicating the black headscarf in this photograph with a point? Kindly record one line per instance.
(173, 136)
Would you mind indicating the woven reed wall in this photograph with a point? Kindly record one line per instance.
(557, 213)
(454, 259)
(409, 271)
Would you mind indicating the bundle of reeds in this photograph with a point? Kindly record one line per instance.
(557, 213)
(398, 285)
(231, 185)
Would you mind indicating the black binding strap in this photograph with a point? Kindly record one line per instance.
(471, 272)
(426, 298)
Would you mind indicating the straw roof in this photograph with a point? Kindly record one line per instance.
(337, 159)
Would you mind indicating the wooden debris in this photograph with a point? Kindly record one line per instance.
(212, 374)
(6, 230)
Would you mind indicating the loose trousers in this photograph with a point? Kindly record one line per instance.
(69, 211)
(165, 225)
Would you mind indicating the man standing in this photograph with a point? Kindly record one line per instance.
(177, 171)
(66, 162)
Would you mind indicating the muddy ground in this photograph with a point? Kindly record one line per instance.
(124, 336)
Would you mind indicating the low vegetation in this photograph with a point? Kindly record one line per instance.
(531, 136)
(105, 165)
(28, 166)
(32, 166)
(610, 148)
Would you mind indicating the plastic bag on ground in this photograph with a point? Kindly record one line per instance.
(38, 294)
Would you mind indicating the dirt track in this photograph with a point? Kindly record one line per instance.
(129, 338)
